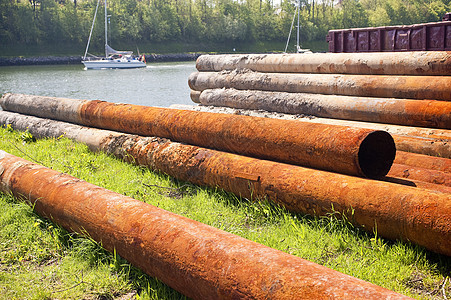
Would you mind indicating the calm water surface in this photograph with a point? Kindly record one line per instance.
(159, 84)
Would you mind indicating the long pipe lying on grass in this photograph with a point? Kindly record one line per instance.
(200, 261)
(420, 113)
(393, 63)
(394, 210)
(429, 141)
(347, 150)
(384, 86)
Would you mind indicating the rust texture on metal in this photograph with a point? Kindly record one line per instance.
(398, 210)
(362, 152)
(435, 36)
(423, 132)
(200, 261)
(429, 141)
(385, 86)
(420, 145)
(194, 95)
(418, 184)
(424, 113)
(413, 63)
(423, 161)
(421, 174)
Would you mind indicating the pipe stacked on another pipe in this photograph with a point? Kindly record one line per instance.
(421, 169)
(421, 140)
(385, 86)
(346, 150)
(425, 63)
(422, 113)
(397, 211)
(200, 261)
(405, 88)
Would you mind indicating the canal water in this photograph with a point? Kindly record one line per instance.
(159, 84)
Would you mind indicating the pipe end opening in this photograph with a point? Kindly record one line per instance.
(376, 154)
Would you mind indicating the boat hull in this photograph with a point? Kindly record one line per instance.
(113, 64)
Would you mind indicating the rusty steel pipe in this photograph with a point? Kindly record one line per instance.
(422, 113)
(98, 140)
(406, 87)
(200, 261)
(429, 141)
(421, 174)
(398, 212)
(420, 145)
(95, 140)
(430, 133)
(340, 149)
(414, 183)
(423, 161)
(195, 95)
(393, 63)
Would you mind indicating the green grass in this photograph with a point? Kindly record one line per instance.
(39, 260)
(162, 48)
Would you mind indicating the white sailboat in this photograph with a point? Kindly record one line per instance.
(113, 59)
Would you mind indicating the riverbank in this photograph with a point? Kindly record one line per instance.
(64, 60)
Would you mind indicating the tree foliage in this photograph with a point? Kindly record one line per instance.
(214, 21)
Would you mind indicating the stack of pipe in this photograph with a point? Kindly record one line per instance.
(199, 261)
(208, 150)
(260, 158)
(408, 94)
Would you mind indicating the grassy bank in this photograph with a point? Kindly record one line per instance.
(152, 48)
(39, 260)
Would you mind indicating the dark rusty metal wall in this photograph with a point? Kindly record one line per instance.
(412, 63)
(434, 36)
(347, 150)
(423, 113)
(200, 261)
(385, 86)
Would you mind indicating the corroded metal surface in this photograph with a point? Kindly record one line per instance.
(420, 113)
(418, 184)
(433, 36)
(423, 132)
(423, 161)
(420, 145)
(388, 86)
(429, 141)
(411, 63)
(398, 210)
(362, 152)
(421, 174)
(194, 95)
(200, 261)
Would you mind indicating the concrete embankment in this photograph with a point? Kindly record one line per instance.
(63, 60)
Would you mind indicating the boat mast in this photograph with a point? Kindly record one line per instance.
(90, 33)
(297, 40)
(297, 11)
(106, 32)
